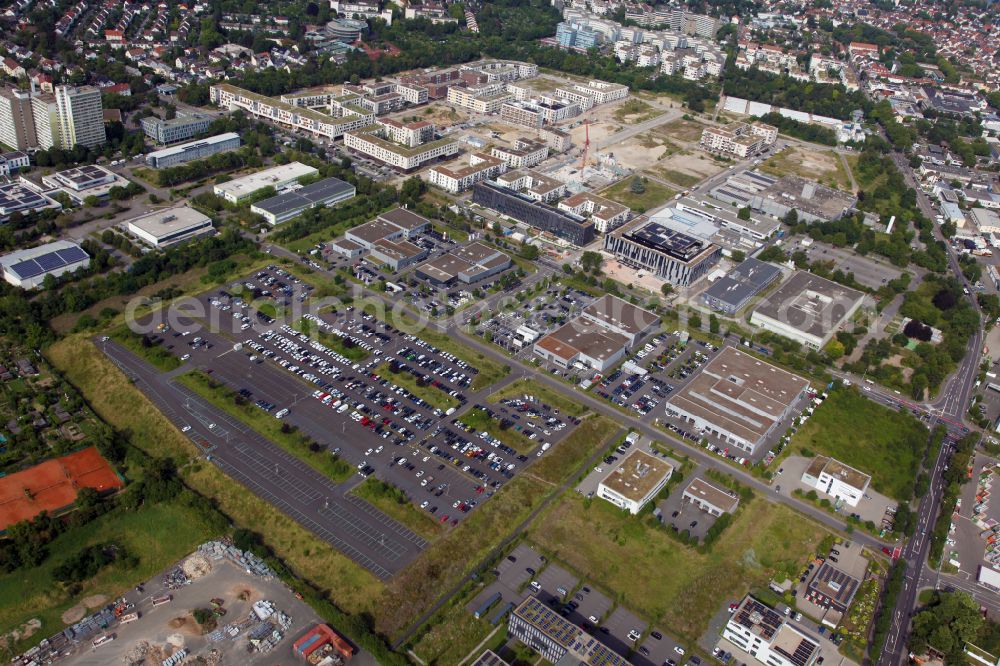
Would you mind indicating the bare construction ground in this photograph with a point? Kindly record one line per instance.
(824, 166)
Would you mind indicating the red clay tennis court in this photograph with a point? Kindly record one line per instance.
(53, 485)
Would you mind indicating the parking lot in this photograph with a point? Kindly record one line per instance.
(541, 314)
(349, 392)
(867, 271)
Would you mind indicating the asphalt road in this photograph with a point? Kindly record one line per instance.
(370, 538)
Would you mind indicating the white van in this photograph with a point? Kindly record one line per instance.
(281, 414)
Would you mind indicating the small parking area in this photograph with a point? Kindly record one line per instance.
(867, 271)
(678, 514)
(874, 506)
(976, 512)
(591, 606)
(657, 649)
(588, 486)
(555, 585)
(622, 630)
(541, 314)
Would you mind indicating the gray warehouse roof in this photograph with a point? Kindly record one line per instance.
(304, 197)
(743, 282)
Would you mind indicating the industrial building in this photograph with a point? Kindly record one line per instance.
(194, 150)
(668, 254)
(554, 637)
(807, 309)
(811, 201)
(710, 498)
(386, 239)
(294, 201)
(635, 481)
(279, 177)
(604, 213)
(466, 265)
(599, 337)
(834, 478)
(731, 293)
(572, 228)
(738, 398)
(481, 167)
(28, 268)
(17, 197)
(768, 636)
(181, 128)
(163, 228)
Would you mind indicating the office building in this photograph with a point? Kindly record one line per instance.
(163, 228)
(635, 481)
(733, 292)
(193, 150)
(710, 498)
(386, 239)
(18, 198)
(81, 116)
(176, 129)
(85, 181)
(832, 477)
(619, 316)
(808, 309)
(17, 124)
(28, 268)
(572, 228)
(294, 201)
(835, 582)
(554, 637)
(768, 636)
(464, 265)
(12, 162)
(279, 178)
(458, 179)
(738, 399)
(604, 213)
(666, 253)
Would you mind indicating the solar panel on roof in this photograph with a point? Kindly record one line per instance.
(49, 261)
(28, 268)
(72, 254)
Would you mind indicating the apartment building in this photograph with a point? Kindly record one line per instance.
(484, 99)
(404, 147)
(739, 140)
(525, 153)
(340, 120)
(604, 213)
(481, 167)
(533, 184)
(81, 116)
(17, 124)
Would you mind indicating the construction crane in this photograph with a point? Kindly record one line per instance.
(586, 145)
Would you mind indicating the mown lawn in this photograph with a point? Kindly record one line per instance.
(264, 423)
(654, 194)
(122, 405)
(157, 534)
(393, 502)
(542, 393)
(888, 445)
(656, 576)
(432, 395)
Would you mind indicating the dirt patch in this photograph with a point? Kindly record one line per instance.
(196, 566)
(177, 622)
(820, 165)
(686, 169)
(74, 614)
(95, 600)
(22, 632)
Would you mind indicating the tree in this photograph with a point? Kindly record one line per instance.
(637, 186)
(834, 349)
(739, 256)
(713, 324)
(529, 251)
(744, 213)
(666, 289)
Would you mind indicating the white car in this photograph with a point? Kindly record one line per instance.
(679, 650)
(424, 504)
(185, 357)
(185, 428)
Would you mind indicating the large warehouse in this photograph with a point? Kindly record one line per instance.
(28, 268)
(808, 309)
(738, 398)
(470, 263)
(163, 228)
(193, 150)
(279, 177)
(292, 203)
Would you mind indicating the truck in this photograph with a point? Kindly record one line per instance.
(131, 617)
(159, 601)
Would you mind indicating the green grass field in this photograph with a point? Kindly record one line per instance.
(679, 177)
(158, 534)
(268, 426)
(566, 457)
(433, 396)
(156, 354)
(654, 194)
(664, 581)
(874, 439)
(393, 502)
(635, 111)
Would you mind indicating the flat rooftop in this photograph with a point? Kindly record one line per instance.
(397, 250)
(404, 219)
(838, 470)
(673, 243)
(485, 162)
(540, 183)
(577, 336)
(303, 197)
(743, 282)
(193, 145)
(247, 185)
(603, 209)
(35, 261)
(373, 231)
(172, 220)
(637, 475)
(740, 394)
(618, 313)
(473, 258)
(794, 645)
(810, 304)
(722, 499)
(371, 134)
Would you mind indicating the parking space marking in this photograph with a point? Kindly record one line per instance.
(363, 532)
(387, 521)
